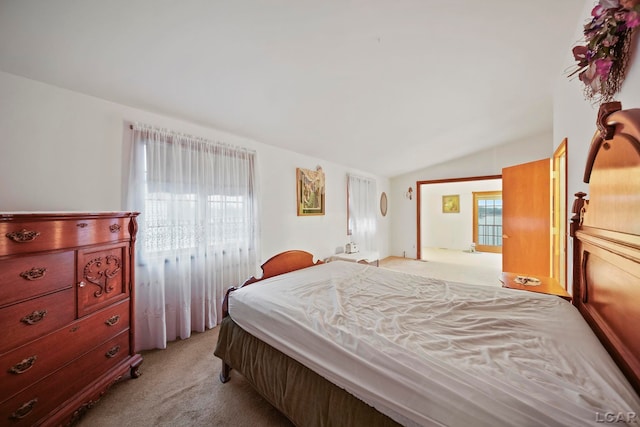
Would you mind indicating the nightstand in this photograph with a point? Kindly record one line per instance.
(366, 257)
(547, 285)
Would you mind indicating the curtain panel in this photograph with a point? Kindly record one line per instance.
(197, 234)
(362, 212)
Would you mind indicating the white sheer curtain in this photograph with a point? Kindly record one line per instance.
(197, 230)
(362, 212)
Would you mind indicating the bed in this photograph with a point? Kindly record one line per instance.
(348, 344)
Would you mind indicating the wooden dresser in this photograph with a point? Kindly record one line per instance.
(66, 312)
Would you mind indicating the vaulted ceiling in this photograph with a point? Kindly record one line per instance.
(383, 86)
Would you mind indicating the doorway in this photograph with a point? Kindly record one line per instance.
(441, 228)
(428, 205)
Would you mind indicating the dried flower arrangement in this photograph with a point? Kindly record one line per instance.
(603, 59)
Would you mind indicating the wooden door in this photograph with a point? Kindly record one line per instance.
(526, 196)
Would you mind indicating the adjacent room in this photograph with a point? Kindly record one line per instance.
(460, 234)
(353, 213)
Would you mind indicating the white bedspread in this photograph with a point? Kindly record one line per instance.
(429, 352)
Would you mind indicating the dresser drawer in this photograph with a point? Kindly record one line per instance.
(32, 404)
(25, 277)
(101, 325)
(34, 318)
(34, 236)
(34, 361)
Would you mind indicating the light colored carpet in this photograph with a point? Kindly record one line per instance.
(453, 256)
(179, 387)
(476, 269)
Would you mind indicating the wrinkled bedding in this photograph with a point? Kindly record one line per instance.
(429, 352)
(305, 397)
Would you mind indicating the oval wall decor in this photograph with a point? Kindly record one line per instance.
(383, 204)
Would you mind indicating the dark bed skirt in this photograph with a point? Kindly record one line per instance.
(305, 397)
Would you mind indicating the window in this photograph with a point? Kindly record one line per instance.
(197, 231)
(487, 221)
(362, 208)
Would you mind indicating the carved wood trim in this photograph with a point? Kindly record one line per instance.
(579, 206)
(82, 409)
(610, 116)
(99, 271)
(606, 130)
(585, 279)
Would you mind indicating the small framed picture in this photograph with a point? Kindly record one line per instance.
(451, 203)
(310, 190)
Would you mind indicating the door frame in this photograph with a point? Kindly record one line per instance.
(419, 185)
(559, 225)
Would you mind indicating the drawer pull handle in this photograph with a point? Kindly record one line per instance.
(34, 317)
(24, 410)
(114, 228)
(23, 235)
(24, 366)
(82, 225)
(112, 353)
(113, 320)
(34, 274)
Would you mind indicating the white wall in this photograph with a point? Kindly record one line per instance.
(575, 117)
(62, 150)
(484, 163)
(450, 230)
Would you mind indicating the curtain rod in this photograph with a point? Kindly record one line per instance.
(198, 138)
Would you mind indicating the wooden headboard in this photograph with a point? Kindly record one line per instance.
(281, 263)
(606, 232)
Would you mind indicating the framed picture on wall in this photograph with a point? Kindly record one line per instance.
(310, 191)
(451, 203)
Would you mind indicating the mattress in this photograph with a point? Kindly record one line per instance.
(305, 397)
(428, 352)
